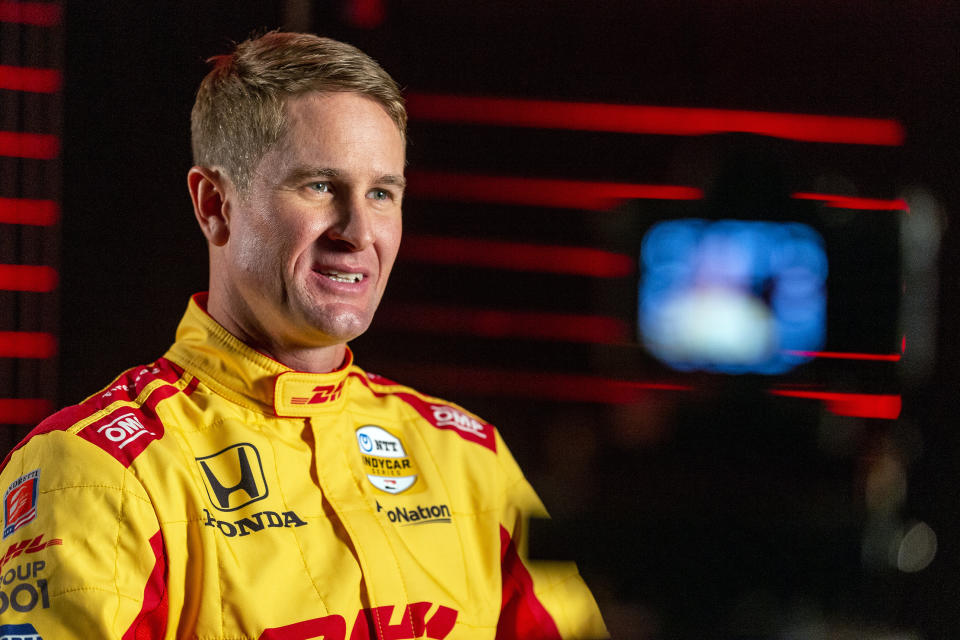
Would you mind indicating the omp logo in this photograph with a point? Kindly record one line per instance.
(420, 620)
(18, 632)
(124, 430)
(27, 546)
(417, 515)
(234, 477)
(321, 394)
(20, 502)
(449, 417)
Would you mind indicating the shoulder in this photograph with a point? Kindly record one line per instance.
(438, 413)
(121, 419)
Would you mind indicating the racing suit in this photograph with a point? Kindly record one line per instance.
(217, 494)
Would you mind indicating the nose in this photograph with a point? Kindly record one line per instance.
(353, 228)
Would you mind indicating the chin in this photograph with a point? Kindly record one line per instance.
(341, 327)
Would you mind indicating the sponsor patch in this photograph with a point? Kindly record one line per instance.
(234, 477)
(20, 502)
(26, 546)
(420, 514)
(388, 466)
(18, 632)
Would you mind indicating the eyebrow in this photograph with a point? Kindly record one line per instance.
(302, 173)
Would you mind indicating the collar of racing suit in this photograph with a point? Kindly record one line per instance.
(246, 376)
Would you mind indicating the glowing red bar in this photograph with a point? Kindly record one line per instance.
(861, 405)
(638, 119)
(848, 202)
(516, 256)
(39, 146)
(888, 357)
(549, 386)
(25, 344)
(539, 192)
(19, 277)
(489, 323)
(30, 79)
(25, 211)
(39, 14)
(24, 410)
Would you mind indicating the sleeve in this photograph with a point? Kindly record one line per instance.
(82, 549)
(541, 600)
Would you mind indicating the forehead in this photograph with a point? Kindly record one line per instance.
(339, 122)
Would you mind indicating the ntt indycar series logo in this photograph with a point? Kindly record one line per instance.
(388, 466)
(420, 514)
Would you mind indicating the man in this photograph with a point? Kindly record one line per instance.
(254, 482)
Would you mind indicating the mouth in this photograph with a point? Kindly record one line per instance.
(342, 276)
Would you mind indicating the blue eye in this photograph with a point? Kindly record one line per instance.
(320, 187)
(378, 194)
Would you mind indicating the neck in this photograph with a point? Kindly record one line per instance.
(311, 359)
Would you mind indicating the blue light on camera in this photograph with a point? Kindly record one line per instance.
(732, 296)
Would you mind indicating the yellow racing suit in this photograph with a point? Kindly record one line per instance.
(217, 494)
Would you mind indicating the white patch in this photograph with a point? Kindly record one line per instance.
(388, 466)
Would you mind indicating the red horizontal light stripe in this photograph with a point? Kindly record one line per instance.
(26, 211)
(18, 277)
(30, 79)
(848, 202)
(516, 256)
(639, 119)
(39, 14)
(861, 405)
(38, 146)
(539, 192)
(24, 410)
(542, 385)
(25, 344)
(888, 357)
(489, 323)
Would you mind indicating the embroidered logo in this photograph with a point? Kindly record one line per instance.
(18, 632)
(234, 477)
(20, 502)
(388, 466)
(321, 394)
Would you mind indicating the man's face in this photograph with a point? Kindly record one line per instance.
(313, 241)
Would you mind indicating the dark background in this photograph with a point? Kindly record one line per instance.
(721, 511)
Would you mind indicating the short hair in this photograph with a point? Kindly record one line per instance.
(239, 113)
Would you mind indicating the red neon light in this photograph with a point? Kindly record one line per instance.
(18, 277)
(891, 357)
(539, 192)
(516, 256)
(25, 211)
(365, 14)
(29, 145)
(24, 344)
(550, 386)
(23, 410)
(29, 79)
(674, 121)
(861, 405)
(848, 202)
(489, 323)
(40, 14)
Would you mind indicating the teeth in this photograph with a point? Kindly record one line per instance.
(339, 276)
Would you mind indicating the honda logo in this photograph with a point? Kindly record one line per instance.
(234, 477)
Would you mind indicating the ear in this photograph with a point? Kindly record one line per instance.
(210, 203)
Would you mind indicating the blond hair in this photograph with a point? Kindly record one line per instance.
(239, 112)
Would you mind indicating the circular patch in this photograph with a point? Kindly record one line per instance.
(386, 462)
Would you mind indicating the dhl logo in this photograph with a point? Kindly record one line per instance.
(373, 622)
(321, 395)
